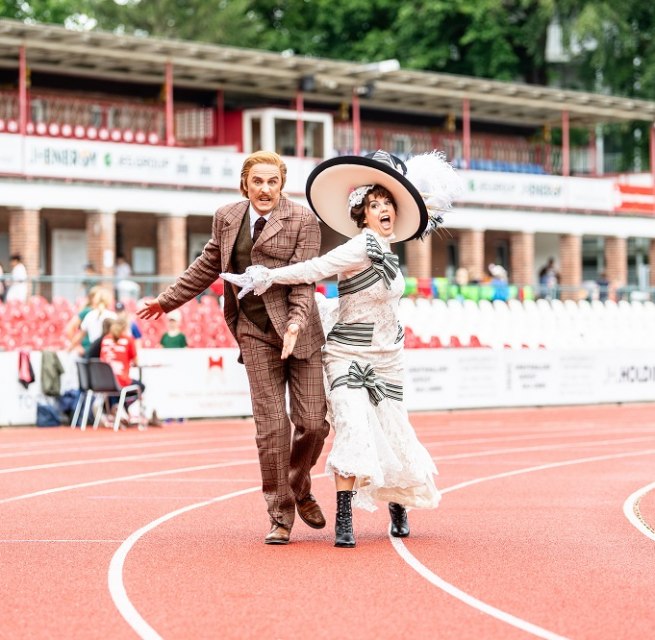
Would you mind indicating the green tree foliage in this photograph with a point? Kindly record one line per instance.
(353, 30)
(615, 45)
(52, 11)
(502, 39)
(227, 22)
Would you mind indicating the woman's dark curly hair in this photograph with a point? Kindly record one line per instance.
(357, 213)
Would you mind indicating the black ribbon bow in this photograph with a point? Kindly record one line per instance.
(385, 264)
(359, 377)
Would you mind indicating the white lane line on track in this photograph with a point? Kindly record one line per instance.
(457, 456)
(138, 476)
(464, 597)
(199, 480)
(115, 574)
(548, 465)
(439, 582)
(633, 514)
(90, 433)
(546, 435)
(48, 541)
(154, 498)
(145, 456)
(580, 428)
(127, 445)
(145, 631)
(542, 447)
(254, 461)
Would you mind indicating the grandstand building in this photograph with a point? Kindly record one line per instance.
(112, 144)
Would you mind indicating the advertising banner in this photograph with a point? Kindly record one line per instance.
(545, 192)
(209, 383)
(70, 159)
(206, 168)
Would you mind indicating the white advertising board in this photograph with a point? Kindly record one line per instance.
(475, 378)
(209, 383)
(536, 191)
(71, 159)
(68, 158)
(195, 383)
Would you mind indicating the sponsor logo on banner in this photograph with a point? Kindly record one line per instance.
(632, 374)
(62, 157)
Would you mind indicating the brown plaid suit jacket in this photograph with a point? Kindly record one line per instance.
(291, 235)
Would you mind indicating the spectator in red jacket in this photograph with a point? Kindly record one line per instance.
(118, 348)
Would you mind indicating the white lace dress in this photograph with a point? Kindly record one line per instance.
(363, 362)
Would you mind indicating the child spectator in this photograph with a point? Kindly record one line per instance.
(118, 348)
(173, 338)
(134, 330)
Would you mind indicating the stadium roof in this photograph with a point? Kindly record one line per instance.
(55, 49)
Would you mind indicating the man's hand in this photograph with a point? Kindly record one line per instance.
(151, 309)
(290, 337)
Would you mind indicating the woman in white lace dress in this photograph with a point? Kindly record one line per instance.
(376, 454)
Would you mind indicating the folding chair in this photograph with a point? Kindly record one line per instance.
(103, 382)
(85, 400)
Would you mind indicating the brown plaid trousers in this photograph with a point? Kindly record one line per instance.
(291, 235)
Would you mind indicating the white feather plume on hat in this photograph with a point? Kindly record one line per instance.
(437, 182)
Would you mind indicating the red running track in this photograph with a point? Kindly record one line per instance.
(546, 529)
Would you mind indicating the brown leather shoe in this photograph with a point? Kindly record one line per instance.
(277, 535)
(310, 513)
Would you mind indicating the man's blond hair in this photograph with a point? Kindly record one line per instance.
(261, 157)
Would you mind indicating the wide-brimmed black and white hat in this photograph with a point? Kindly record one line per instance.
(423, 189)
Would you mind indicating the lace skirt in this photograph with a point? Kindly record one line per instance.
(378, 445)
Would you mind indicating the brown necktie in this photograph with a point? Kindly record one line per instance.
(259, 225)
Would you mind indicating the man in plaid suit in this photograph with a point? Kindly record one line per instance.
(273, 231)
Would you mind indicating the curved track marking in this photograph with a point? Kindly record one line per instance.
(548, 465)
(434, 579)
(115, 573)
(145, 456)
(632, 513)
(406, 555)
(439, 582)
(138, 476)
(127, 445)
(145, 631)
(456, 456)
(545, 434)
(545, 447)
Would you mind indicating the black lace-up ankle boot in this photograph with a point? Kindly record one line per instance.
(344, 522)
(399, 523)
